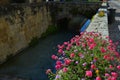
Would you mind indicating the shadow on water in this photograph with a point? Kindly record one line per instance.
(114, 30)
(33, 62)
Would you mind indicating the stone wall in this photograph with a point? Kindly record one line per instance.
(61, 10)
(18, 25)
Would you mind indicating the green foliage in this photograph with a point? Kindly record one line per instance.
(34, 41)
(87, 57)
(51, 30)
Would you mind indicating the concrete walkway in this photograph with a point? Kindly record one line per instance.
(114, 28)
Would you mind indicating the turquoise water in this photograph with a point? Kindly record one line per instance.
(33, 62)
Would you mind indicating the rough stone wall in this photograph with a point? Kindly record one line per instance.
(60, 10)
(18, 25)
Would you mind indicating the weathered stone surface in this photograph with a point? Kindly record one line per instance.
(19, 26)
(99, 24)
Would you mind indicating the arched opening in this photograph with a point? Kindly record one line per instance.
(63, 23)
(76, 23)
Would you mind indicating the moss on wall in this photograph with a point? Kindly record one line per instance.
(19, 28)
(50, 30)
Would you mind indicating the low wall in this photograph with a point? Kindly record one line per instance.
(18, 25)
(99, 24)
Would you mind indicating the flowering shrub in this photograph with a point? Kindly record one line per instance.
(86, 57)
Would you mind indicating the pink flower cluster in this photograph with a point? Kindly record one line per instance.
(89, 57)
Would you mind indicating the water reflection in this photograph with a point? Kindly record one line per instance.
(32, 62)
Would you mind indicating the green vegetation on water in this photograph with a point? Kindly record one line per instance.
(34, 41)
(51, 30)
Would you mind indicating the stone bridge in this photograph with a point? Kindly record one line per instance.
(56, 10)
(65, 13)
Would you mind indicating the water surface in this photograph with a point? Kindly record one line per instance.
(33, 62)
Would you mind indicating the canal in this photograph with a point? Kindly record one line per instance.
(33, 62)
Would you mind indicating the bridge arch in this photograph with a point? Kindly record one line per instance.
(71, 23)
(71, 15)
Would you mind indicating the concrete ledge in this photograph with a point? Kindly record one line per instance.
(99, 24)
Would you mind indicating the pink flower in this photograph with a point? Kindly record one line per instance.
(60, 47)
(60, 51)
(110, 41)
(107, 37)
(93, 66)
(77, 44)
(59, 63)
(83, 45)
(72, 41)
(117, 54)
(88, 43)
(84, 64)
(81, 55)
(54, 57)
(72, 55)
(89, 73)
(98, 78)
(102, 50)
(118, 67)
(48, 71)
(65, 43)
(105, 57)
(107, 75)
(69, 45)
(91, 46)
(114, 74)
(113, 78)
(91, 40)
(109, 78)
(67, 48)
(112, 58)
(58, 67)
(110, 66)
(109, 47)
(65, 69)
(82, 33)
(67, 61)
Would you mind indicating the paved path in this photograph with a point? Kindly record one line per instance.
(114, 28)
